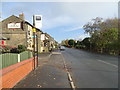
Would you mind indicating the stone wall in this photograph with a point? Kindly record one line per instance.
(15, 39)
(12, 19)
(15, 36)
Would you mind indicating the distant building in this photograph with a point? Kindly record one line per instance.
(47, 43)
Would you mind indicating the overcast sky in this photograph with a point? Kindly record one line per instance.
(62, 20)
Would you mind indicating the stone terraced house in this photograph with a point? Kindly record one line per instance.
(16, 31)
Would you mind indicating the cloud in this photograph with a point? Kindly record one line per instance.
(56, 22)
(60, 14)
(82, 36)
(73, 29)
(78, 13)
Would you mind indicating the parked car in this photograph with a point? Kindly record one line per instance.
(62, 48)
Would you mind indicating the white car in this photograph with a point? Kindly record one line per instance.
(62, 48)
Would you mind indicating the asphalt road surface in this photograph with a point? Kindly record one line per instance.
(90, 70)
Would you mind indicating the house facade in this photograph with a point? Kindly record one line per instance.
(47, 43)
(16, 31)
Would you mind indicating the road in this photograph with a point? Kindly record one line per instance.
(86, 69)
(90, 70)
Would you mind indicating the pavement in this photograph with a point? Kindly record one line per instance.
(50, 73)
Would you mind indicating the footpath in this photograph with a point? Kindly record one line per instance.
(50, 73)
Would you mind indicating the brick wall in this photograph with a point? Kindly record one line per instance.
(13, 74)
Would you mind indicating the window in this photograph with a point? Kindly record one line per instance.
(28, 32)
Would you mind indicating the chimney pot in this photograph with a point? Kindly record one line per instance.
(21, 16)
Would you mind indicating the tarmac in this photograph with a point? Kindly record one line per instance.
(50, 73)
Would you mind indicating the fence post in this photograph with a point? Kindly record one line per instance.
(18, 57)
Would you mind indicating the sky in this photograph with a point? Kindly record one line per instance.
(62, 20)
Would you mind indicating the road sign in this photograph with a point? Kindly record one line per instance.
(37, 20)
(14, 25)
(34, 36)
(34, 30)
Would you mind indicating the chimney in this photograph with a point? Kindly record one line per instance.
(21, 16)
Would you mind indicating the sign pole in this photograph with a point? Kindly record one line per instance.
(37, 22)
(34, 30)
(37, 49)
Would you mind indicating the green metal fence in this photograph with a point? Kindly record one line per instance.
(8, 59)
(25, 55)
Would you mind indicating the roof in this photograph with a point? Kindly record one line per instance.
(46, 34)
(11, 17)
(21, 21)
(33, 26)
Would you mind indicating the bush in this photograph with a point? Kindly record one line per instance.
(77, 46)
(6, 49)
(80, 46)
(14, 50)
(21, 48)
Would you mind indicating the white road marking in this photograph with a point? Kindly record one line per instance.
(108, 63)
(73, 86)
(69, 75)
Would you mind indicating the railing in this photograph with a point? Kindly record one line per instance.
(8, 59)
